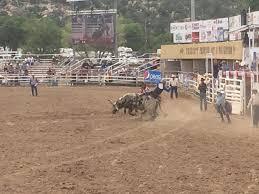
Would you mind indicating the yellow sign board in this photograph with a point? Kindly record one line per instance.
(220, 50)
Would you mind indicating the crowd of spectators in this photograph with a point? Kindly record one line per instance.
(20, 67)
(227, 66)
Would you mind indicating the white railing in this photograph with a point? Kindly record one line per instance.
(75, 66)
(63, 62)
(14, 80)
(112, 67)
(145, 67)
(234, 89)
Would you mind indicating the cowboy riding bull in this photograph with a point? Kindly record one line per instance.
(147, 103)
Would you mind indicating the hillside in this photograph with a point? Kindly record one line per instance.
(143, 24)
(175, 9)
(41, 8)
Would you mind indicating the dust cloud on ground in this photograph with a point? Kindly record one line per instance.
(67, 141)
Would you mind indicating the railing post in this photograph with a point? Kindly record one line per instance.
(244, 92)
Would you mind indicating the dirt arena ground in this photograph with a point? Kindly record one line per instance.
(67, 141)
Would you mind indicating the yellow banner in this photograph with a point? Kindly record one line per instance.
(220, 50)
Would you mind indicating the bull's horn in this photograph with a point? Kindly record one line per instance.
(111, 102)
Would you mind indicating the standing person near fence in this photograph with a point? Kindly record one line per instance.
(254, 102)
(203, 94)
(174, 83)
(34, 84)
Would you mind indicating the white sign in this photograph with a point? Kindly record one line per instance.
(177, 27)
(234, 24)
(253, 18)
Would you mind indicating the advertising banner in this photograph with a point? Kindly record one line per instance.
(195, 26)
(222, 29)
(203, 31)
(177, 27)
(253, 18)
(94, 28)
(220, 50)
(208, 31)
(152, 76)
(214, 31)
(195, 37)
(235, 23)
(179, 37)
(179, 32)
(188, 35)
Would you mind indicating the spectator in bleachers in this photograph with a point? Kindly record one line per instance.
(225, 66)
(85, 65)
(26, 72)
(32, 61)
(10, 69)
(236, 66)
(17, 68)
(24, 69)
(51, 71)
(5, 68)
(104, 65)
(54, 60)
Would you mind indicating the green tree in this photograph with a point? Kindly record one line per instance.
(44, 36)
(66, 35)
(11, 33)
(134, 36)
(254, 4)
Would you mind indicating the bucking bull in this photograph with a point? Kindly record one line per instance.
(143, 103)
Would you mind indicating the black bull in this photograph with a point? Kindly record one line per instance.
(132, 102)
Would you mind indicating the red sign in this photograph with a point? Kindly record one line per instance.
(195, 37)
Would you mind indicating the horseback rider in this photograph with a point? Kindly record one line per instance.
(221, 106)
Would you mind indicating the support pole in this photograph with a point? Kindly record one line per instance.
(193, 10)
(212, 80)
(116, 29)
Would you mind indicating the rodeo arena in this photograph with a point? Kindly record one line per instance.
(181, 120)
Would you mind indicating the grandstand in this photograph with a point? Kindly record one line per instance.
(67, 70)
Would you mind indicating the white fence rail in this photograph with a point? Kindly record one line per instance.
(16, 80)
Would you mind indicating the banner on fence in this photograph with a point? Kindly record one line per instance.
(152, 76)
